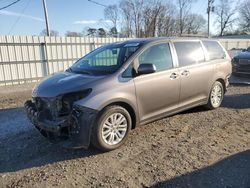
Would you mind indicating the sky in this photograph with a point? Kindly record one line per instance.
(27, 17)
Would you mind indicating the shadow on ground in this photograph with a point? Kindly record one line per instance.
(233, 171)
(240, 79)
(22, 146)
(239, 101)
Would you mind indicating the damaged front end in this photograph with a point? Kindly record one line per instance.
(60, 119)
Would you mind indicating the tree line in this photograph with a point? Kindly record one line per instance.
(150, 18)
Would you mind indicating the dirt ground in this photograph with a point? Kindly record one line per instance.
(196, 148)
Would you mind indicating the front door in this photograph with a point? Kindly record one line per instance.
(157, 93)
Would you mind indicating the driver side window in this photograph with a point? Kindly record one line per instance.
(159, 55)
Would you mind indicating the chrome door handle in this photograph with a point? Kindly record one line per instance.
(185, 73)
(174, 76)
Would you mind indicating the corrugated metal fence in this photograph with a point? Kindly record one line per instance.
(29, 58)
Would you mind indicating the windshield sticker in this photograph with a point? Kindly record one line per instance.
(132, 44)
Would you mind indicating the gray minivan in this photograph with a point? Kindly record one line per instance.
(116, 87)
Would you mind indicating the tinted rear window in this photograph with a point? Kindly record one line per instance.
(214, 50)
(189, 52)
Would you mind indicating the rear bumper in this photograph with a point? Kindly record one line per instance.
(73, 131)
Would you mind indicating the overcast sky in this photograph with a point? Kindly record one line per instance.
(27, 17)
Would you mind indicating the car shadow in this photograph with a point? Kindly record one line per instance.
(194, 110)
(232, 171)
(23, 147)
(239, 101)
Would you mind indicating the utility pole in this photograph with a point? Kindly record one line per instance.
(46, 17)
(210, 8)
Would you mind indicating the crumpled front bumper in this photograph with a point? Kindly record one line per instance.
(73, 130)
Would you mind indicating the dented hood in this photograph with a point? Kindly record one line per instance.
(64, 82)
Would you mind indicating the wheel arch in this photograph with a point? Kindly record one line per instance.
(128, 107)
(222, 81)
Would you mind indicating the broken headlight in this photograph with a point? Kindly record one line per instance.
(65, 103)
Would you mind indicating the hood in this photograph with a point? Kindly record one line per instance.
(64, 82)
(243, 55)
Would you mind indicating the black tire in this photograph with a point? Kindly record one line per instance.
(96, 137)
(210, 105)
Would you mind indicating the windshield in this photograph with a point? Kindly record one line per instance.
(104, 60)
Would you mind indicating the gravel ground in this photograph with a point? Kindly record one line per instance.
(196, 148)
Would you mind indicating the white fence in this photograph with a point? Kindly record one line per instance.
(230, 44)
(29, 58)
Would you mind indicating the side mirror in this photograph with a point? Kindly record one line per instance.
(146, 68)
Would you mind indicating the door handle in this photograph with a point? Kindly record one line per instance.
(174, 76)
(185, 73)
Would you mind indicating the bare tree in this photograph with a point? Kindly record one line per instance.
(151, 15)
(244, 13)
(111, 13)
(132, 12)
(73, 34)
(167, 24)
(184, 10)
(53, 33)
(195, 23)
(225, 15)
(149, 18)
(126, 30)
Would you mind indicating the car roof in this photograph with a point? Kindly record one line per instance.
(155, 39)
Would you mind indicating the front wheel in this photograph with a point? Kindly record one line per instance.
(216, 96)
(111, 128)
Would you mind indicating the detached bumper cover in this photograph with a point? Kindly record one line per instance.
(73, 131)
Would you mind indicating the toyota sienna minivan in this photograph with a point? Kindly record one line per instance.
(116, 87)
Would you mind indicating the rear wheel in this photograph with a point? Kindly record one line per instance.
(216, 96)
(111, 128)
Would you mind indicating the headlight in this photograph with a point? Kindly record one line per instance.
(67, 100)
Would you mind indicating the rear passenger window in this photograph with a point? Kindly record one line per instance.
(159, 55)
(214, 50)
(189, 53)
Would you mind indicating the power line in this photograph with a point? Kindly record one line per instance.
(9, 4)
(97, 3)
(19, 17)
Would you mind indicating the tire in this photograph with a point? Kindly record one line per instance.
(216, 96)
(108, 134)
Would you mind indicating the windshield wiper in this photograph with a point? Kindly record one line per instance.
(79, 71)
(84, 72)
(69, 69)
